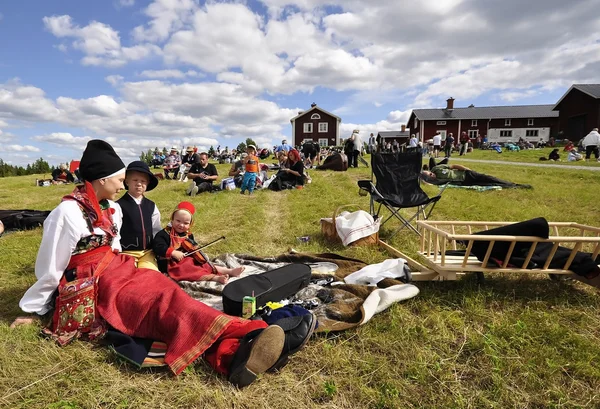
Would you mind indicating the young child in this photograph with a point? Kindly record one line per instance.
(172, 259)
(141, 218)
(251, 165)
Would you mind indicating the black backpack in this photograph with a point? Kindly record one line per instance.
(274, 285)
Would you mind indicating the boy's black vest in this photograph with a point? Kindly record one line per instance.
(136, 232)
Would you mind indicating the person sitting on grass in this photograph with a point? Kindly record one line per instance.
(294, 172)
(62, 175)
(141, 218)
(250, 163)
(172, 163)
(463, 176)
(172, 258)
(203, 175)
(554, 155)
(79, 255)
(574, 156)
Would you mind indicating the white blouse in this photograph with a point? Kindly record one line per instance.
(64, 227)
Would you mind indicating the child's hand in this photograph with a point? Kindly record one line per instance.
(177, 255)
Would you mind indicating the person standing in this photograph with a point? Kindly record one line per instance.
(203, 175)
(358, 145)
(448, 145)
(464, 143)
(591, 143)
(413, 142)
(372, 143)
(437, 144)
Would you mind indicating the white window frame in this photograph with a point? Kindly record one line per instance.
(473, 133)
(415, 123)
(323, 142)
(315, 116)
(440, 123)
(530, 122)
(442, 133)
(324, 129)
(508, 133)
(507, 122)
(308, 127)
(473, 122)
(534, 133)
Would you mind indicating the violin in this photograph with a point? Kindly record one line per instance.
(194, 250)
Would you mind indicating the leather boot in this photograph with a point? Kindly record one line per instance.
(258, 351)
(298, 330)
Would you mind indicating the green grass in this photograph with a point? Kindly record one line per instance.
(516, 341)
(528, 155)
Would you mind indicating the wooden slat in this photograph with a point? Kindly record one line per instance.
(572, 256)
(468, 252)
(444, 252)
(453, 241)
(487, 254)
(509, 254)
(530, 254)
(551, 255)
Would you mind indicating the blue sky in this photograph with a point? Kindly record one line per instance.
(148, 73)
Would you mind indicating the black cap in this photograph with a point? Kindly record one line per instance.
(142, 167)
(99, 160)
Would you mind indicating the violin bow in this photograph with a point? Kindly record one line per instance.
(204, 246)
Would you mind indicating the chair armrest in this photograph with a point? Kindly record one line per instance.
(366, 185)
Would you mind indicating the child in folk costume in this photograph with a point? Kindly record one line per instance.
(141, 218)
(251, 166)
(169, 247)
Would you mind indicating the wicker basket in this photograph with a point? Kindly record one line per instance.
(330, 232)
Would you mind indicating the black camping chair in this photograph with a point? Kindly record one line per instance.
(398, 186)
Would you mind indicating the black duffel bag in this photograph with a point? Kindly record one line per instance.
(274, 285)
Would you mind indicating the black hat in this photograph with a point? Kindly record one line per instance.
(99, 161)
(142, 167)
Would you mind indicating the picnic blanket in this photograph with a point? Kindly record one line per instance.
(340, 306)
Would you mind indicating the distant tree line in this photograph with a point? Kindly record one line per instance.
(39, 166)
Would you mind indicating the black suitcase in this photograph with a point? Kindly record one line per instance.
(274, 285)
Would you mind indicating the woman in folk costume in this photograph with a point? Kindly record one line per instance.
(99, 288)
(169, 246)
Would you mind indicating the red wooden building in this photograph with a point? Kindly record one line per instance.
(579, 111)
(317, 125)
(497, 123)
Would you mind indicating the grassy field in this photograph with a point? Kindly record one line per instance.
(515, 341)
(528, 155)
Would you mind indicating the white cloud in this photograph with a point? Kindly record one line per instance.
(64, 139)
(99, 42)
(154, 74)
(166, 17)
(114, 80)
(126, 3)
(18, 148)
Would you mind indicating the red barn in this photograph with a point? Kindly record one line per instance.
(317, 125)
(579, 111)
(497, 123)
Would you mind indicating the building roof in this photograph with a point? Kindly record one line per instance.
(499, 112)
(316, 107)
(394, 134)
(593, 90)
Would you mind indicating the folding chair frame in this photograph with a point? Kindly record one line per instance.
(423, 210)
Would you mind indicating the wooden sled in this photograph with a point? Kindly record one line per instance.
(439, 236)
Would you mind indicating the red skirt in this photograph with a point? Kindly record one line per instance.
(144, 303)
(188, 269)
